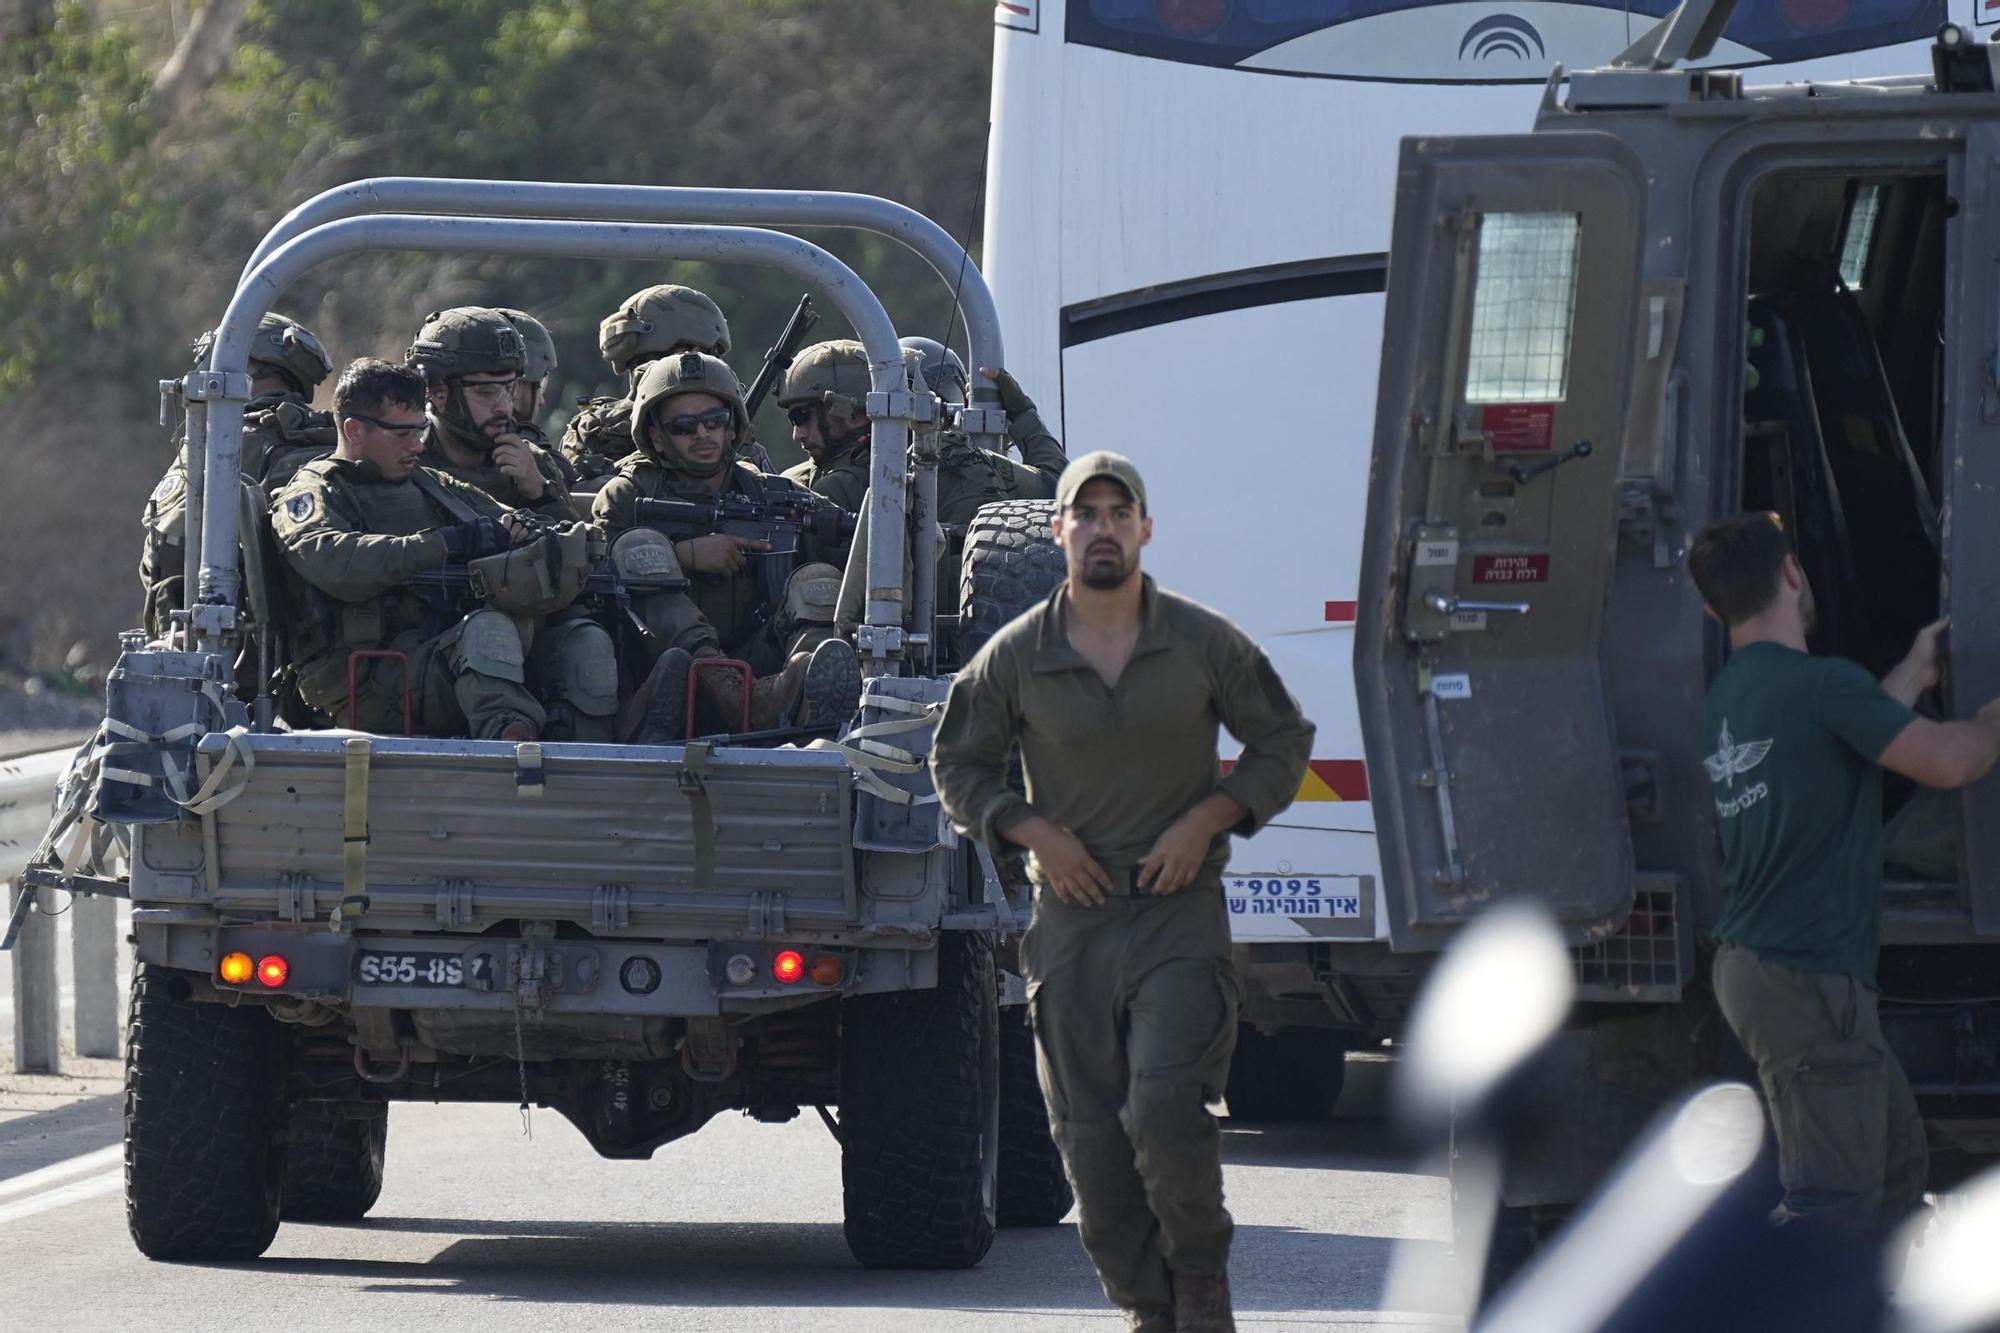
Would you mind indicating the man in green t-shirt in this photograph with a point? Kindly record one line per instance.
(1794, 746)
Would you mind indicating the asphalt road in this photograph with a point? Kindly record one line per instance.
(737, 1227)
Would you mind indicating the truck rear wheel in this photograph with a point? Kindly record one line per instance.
(333, 1163)
(920, 1115)
(1034, 1191)
(204, 1112)
(1293, 1074)
(1011, 562)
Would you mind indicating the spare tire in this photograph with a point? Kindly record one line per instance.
(333, 1162)
(1011, 563)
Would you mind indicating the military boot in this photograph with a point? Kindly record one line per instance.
(719, 696)
(1148, 1323)
(656, 714)
(832, 689)
(1201, 1303)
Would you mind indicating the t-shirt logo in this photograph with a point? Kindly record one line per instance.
(1731, 759)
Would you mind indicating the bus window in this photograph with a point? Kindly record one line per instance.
(1298, 37)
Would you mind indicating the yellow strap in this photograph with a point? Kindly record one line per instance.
(354, 835)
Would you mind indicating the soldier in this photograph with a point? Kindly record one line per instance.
(824, 394)
(281, 433)
(688, 417)
(658, 321)
(473, 359)
(968, 476)
(1794, 747)
(359, 528)
(1114, 688)
(531, 391)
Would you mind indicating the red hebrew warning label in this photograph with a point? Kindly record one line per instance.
(1519, 428)
(1510, 569)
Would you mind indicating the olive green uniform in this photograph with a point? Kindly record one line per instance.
(353, 543)
(598, 438)
(968, 478)
(842, 479)
(281, 434)
(486, 475)
(1134, 1002)
(726, 613)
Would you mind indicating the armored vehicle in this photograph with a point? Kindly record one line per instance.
(1682, 295)
(640, 937)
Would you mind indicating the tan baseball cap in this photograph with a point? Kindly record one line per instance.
(1099, 463)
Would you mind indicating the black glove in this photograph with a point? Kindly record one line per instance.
(473, 538)
(1014, 399)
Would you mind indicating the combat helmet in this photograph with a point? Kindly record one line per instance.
(943, 372)
(689, 372)
(467, 340)
(539, 349)
(832, 376)
(286, 346)
(656, 321)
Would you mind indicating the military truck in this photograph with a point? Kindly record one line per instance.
(639, 937)
(1681, 296)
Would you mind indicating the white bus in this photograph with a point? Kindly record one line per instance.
(1187, 206)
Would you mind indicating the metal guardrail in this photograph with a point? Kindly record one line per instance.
(27, 799)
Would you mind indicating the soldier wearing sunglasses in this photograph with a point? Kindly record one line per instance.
(473, 359)
(688, 421)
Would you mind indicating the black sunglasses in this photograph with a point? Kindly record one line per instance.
(802, 414)
(394, 428)
(715, 419)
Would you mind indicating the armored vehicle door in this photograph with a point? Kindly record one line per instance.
(1492, 526)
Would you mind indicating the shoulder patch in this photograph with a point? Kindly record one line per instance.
(300, 506)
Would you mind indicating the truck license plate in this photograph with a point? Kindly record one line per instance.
(410, 969)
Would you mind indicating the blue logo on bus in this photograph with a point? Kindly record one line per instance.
(1502, 34)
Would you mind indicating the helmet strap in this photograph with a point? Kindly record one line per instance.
(456, 420)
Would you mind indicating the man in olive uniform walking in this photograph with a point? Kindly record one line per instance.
(1114, 688)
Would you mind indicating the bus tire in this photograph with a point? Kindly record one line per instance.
(204, 1123)
(1034, 1191)
(333, 1163)
(1011, 563)
(920, 1115)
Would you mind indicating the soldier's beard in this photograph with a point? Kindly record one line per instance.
(1107, 571)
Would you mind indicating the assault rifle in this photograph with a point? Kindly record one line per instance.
(776, 518)
(779, 359)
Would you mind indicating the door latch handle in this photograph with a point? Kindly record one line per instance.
(1523, 475)
(1447, 605)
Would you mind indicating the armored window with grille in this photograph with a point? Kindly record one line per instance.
(1523, 300)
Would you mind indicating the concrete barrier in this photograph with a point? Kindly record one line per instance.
(27, 799)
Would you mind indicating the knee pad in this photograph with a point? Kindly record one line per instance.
(586, 668)
(644, 554)
(490, 643)
(812, 595)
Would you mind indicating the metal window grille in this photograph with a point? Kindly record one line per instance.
(1523, 300)
(1641, 960)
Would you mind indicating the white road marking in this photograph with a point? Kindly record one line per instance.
(90, 1187)
(31, 1181)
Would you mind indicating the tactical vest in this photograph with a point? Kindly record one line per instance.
(733, 604)
(599, 436)
(327, 630)
(279, 438)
